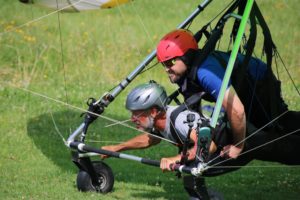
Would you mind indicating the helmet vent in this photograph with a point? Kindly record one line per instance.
(137, 99)
(147, 99)
(175, 44)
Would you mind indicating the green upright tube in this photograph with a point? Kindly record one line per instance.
(230, 64)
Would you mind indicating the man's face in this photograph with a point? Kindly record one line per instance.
(141, 119)
(175, 69)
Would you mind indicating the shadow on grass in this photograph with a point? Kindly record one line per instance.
(43, 133)
(45, 137)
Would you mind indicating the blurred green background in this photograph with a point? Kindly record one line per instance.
(70, 57)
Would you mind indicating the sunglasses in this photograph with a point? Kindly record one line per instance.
(169, 63)
(137, 114)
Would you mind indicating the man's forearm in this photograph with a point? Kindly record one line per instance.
(138, 142)
(238, 126)
(236, 116)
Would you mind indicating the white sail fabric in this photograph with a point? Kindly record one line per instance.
(77, 5)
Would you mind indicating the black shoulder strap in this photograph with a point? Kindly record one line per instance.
(237, 22)
(210, 45)
(156, 132)
(219, 58)
(239, 76)
(173, 97)
(269, 47)
(195, 99)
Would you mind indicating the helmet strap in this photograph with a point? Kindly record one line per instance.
(188, 57)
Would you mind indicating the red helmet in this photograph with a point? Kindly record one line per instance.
(175, 44)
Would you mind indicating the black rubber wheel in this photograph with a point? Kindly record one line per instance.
(214, 195)
(105, 178)
(25, 1)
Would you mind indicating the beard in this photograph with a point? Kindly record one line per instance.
(174, 78)
(148, 125)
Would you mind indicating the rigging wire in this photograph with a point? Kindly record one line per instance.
(222, 11)
(69, 6)
(56, 127)
(252, 134)
(276, 66)
(171, 123)
(38, 19)
(256, 166)
(147, 68)
(84, 110)
(219, 41)
(255, 148)
(287, 71)
(122, 122)
(62, 55)
(57, 11)
(117, 123)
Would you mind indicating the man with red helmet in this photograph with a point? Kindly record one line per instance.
(173, 46)
(176, 51)
(179, 53)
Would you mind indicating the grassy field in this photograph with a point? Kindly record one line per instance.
(73, 56)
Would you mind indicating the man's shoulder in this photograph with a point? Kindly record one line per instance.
(182, 116)
(183, 113)
(186, 112)
(210, 64)
(181, 119)
(210, 69)
(171, 108)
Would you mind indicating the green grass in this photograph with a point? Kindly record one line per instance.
(99, 49)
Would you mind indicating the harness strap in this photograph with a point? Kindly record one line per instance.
(269, 47)
(211, 42)
(173, 97)
(237, 22)
(195, 99)
(202, 31)
(249, 50)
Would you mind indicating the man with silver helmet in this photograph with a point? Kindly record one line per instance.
(151, 114)
(147, 103)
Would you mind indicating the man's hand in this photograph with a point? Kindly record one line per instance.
(166, 162)
(231, 151)
(108, 148)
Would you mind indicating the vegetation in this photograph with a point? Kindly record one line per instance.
(70, 57)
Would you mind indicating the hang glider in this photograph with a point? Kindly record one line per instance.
(76, 5)
(248, 11)
(89, 172)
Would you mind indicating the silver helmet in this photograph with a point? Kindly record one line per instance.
(146, 96)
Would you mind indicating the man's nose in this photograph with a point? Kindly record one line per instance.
(167, 69)
(133, 118)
